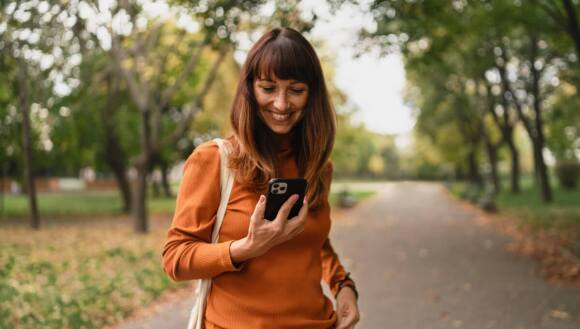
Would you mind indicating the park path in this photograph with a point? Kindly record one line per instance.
(421, 262)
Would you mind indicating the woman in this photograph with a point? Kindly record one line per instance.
(266, 274)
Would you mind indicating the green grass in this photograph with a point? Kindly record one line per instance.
(358, 196)
(91, 204)
(562, 214)
(77, 204)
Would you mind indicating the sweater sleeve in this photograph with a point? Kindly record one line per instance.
(333, 272)
(188, 252)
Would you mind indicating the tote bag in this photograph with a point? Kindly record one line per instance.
(202, 286)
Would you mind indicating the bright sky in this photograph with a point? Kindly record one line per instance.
(372, 83)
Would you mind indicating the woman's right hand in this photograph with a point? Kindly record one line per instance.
(263, 234)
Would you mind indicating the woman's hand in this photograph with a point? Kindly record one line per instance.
(263, 234)
(346, 309)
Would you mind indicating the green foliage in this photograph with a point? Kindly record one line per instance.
(452, 52)
(359, 152)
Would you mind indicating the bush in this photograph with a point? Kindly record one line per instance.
(486, 200)
(472, 192)
(568, 172)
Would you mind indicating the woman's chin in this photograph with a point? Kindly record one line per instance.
(280, 129)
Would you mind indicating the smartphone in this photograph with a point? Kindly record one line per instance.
(280, 190)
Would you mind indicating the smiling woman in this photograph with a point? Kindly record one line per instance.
(266, 274)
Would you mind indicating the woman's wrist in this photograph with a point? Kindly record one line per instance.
(240, 251)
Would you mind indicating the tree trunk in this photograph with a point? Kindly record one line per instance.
(114, 155)
(472, 167)
(24, 101)
(491, 151)
(538, 139)
(573, 28)
(141, 223)
(515, 166)
(142, 165)
(165, 180)
(506, 128)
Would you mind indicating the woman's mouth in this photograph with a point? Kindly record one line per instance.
(280, 117)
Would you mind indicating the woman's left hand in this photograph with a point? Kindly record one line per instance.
(346, 309)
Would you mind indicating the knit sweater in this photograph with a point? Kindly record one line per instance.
(280, 289)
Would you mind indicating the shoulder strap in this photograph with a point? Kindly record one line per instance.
(226, 184)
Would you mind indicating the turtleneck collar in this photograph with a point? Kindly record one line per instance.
(284, 142)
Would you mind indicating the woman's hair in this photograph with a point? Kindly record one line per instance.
(285, 54)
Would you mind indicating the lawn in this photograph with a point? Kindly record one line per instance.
(91, 204)
(77, 204)
(562, 214)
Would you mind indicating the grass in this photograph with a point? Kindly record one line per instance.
(80, 276)
(358, 196)
(91, 204)
(562, 214)
(77, 204)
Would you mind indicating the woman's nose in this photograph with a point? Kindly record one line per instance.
(281, 101)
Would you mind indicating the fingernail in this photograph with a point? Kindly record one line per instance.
(262, 198)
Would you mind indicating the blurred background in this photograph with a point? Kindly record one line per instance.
(102, 101)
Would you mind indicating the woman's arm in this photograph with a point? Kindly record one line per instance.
(333, 272)
(188, 252)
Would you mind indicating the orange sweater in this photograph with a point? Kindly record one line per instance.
(280, 289)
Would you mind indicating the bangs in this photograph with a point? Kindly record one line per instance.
(284, 59)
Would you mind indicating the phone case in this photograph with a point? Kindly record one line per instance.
(279, 190)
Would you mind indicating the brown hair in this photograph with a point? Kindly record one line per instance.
(285, 53)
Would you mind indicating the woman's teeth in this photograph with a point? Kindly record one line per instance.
(280, 117)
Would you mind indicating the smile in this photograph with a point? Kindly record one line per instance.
(279, 116)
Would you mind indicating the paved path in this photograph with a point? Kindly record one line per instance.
(421, 262)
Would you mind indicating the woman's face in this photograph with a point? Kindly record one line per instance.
(281, 102)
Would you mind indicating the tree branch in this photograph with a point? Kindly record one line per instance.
(195, 106)
(138, 92)
(189, 66)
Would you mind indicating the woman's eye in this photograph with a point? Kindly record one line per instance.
(268, 89)
(297, 91)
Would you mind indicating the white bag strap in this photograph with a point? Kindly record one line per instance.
(203, 285)
(226, 183)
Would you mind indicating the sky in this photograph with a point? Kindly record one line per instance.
(373, 84)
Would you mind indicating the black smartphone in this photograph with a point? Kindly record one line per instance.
(280, 190)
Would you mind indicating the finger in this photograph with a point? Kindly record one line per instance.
(303, 211)
(285, 210)
(259, 210)
(298, 223)
(340, 324)
(345, 321)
